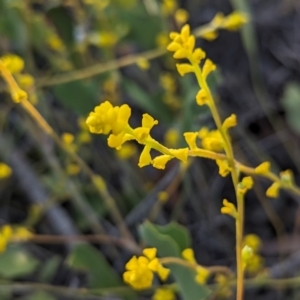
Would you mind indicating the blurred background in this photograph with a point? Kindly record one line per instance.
(79, 53)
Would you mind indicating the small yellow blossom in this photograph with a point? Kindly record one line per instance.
(202, 275)
(164, 294)
(184, 69)
(106, 118)
(210, 35)
(19, 96)
(230, 122)
(107, 39)
(253, 241)
(25, 81)
(163, 196)
(263, 168)
(68, 138)
(247, 253)
(273, 190)
(140, 270)
(168, 82)
(168, 7)
(181, 154)
(127, 151)
(181, 16)
(224, 168)
(160, 161)
(229, 208)
(202, 97)
(287, 177)
(162, 39)
(245, 185)
(208, 67)
(190, 138)
(255, 264)
(5, 171)
(21, 234)
(143, 63)
(188, 255)
(14, 63)
(84, 137)
(235, 21)
(145, 157)
(211, 140)
(171, 137)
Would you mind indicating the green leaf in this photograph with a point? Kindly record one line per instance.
(16, 262)
(100, 274)
(291, 104)
(78, 96)
(167, 245)
(178, 233)
(87, 258)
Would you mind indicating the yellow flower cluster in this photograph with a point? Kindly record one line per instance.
(15, 65)
(232, 22)
(140, 270)
(202, 273)
(9, 233)
(253, 262)
(107, 118)
(5, 171)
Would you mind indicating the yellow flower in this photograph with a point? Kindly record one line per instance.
(181, 154)
(21, 233)
(107, 39)
(247, 253)
(140, 270)
(208, 67)
(273, 190)
(164, 294)
(84, 137)
(287, 177)
(202, 97)
(19, 95)
(138, 275)
(190, 138)
(184, 69)
(224, 168)
(255, 264)
(167, 81)
(181, 16)
(128, 150)
(171, 137)
(25, 81)
(145, 157)
(211, 140)
(245, 185)
(229, 208)
(106, 118)
(188, 255)
(162, 39)
(210, 35)
(14, 63)
(68, 138)
(168, 7)
(143, 63)
(263, 168)
(5, 171)
(253, 241)
(160, 161)
(202, 275)
(235, 21)
(230, 122)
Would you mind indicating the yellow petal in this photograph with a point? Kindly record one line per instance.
(160, 161)
(145, 157)
(150, 253)
(190, 138)
(181, 154)
(188, 254)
